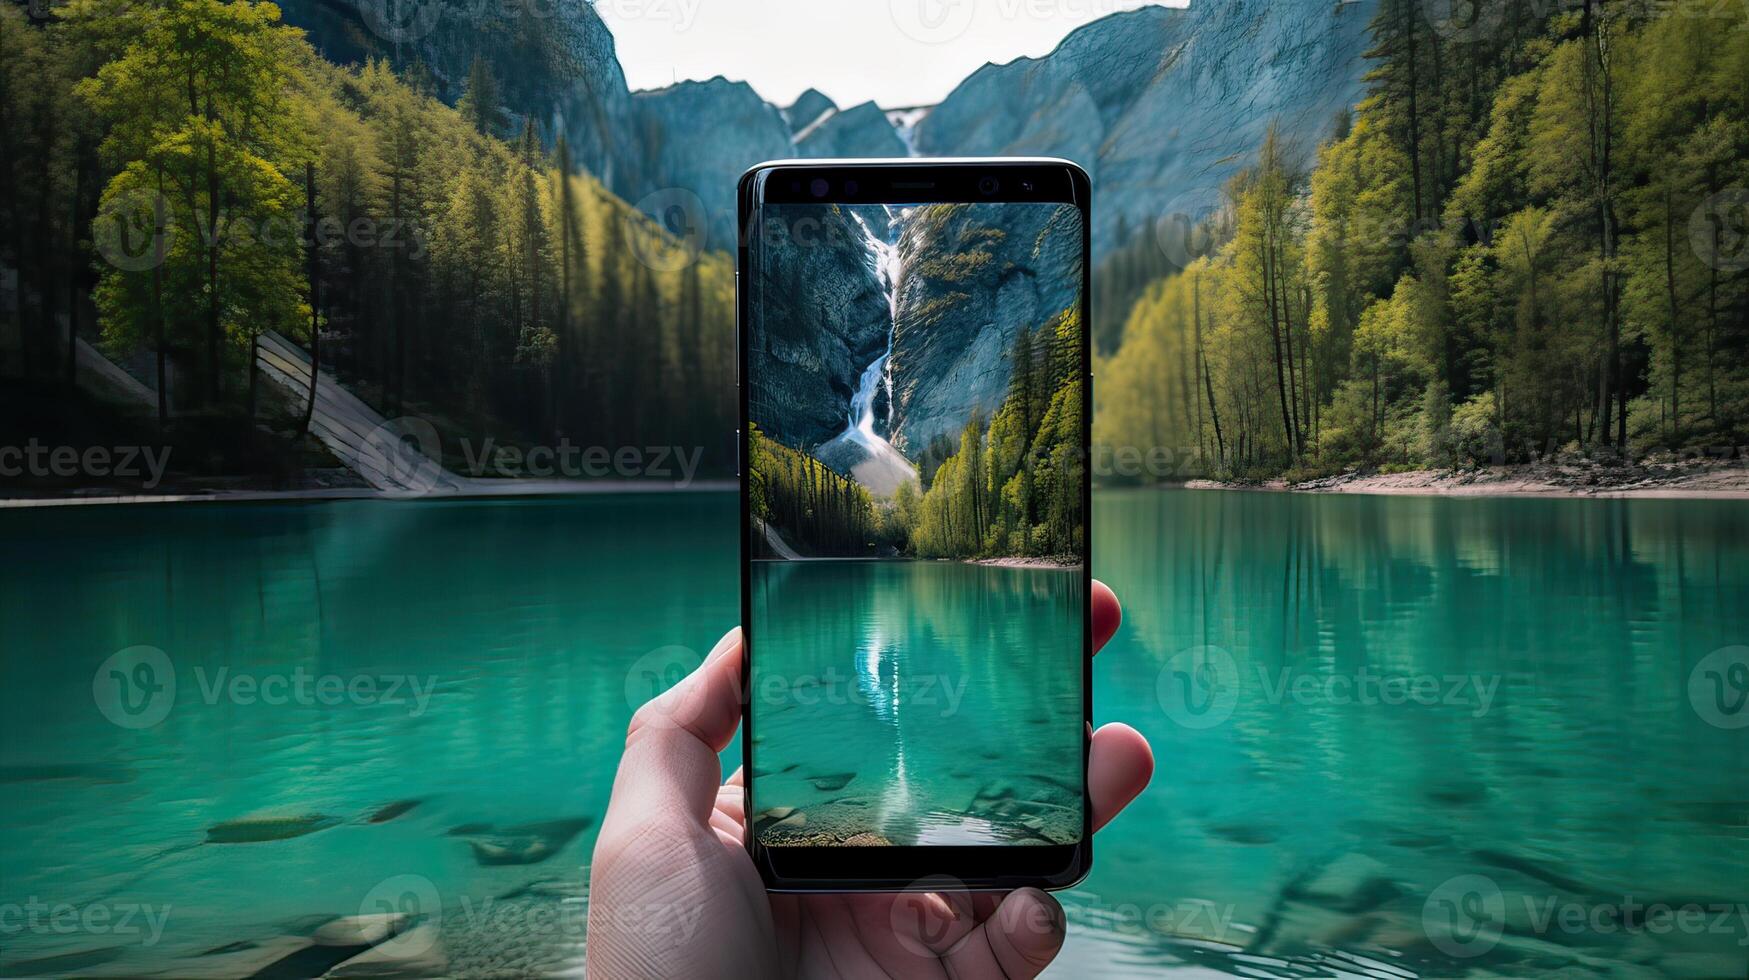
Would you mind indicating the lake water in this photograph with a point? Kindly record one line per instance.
(1395, 735)
(920, 702)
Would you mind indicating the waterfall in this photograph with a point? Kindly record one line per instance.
(860, 424)
(859, 450)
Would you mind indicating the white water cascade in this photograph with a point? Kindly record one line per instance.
(879, 466)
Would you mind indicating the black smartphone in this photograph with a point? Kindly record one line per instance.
(915, 402)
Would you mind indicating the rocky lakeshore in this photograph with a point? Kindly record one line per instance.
(1022, 810)
(1067, 563)
(1564, 476)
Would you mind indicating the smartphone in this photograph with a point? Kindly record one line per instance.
(915, 400)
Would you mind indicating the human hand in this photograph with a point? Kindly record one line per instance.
(673, 892)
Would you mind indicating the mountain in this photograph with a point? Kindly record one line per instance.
(859, 131)
(1162, 105)
(824, 319)
(808, 108)
(700, 137)
(974, 276)
(553, 62)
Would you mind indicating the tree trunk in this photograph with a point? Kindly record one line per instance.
(1675, 322)
(158, 302)
(73, 270)
(315, 273)
(1408, 21)
(1265, 263)
(213, 366)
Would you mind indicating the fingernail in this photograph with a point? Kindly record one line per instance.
(724, 645)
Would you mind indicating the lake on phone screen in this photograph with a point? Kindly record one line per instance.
(1395, 736)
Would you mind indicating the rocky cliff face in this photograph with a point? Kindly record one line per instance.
(554, 62)
(807, 109)
(824, 318)
(700, 137)
(1162, 105)
(859, 131)
(974, 276)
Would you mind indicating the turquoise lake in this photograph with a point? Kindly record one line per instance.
(917, 702)
(1395, 736)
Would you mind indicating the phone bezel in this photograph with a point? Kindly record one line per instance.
(944, 181)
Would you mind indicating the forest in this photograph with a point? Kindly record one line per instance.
(1011, 487)
(1527, 240)
(1524, 241)
(182, 176)
(814, 508)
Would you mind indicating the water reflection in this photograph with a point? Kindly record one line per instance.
(960, 721)
(1428, 689)
(517, 619)
(1306, 832)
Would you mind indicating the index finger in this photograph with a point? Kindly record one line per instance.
(1107, 615)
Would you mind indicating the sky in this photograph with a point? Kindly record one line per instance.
(896, 52)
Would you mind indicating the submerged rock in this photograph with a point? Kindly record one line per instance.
(393, 810)
(867, 839)
(246, 958)
(1354, 882)
(831, 782)
(1242, 833)
(83, 772)
(76, 962)
(416, 954)
(1534, 869)
(528, 843)
(498, 853)
(1457, 794)
(360, 930)
(257, 830)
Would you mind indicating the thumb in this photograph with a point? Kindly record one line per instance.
(670, 760)
(1025, 933)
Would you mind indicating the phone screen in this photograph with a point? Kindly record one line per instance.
(916, 479)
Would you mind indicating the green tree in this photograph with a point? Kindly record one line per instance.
(198, 105)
